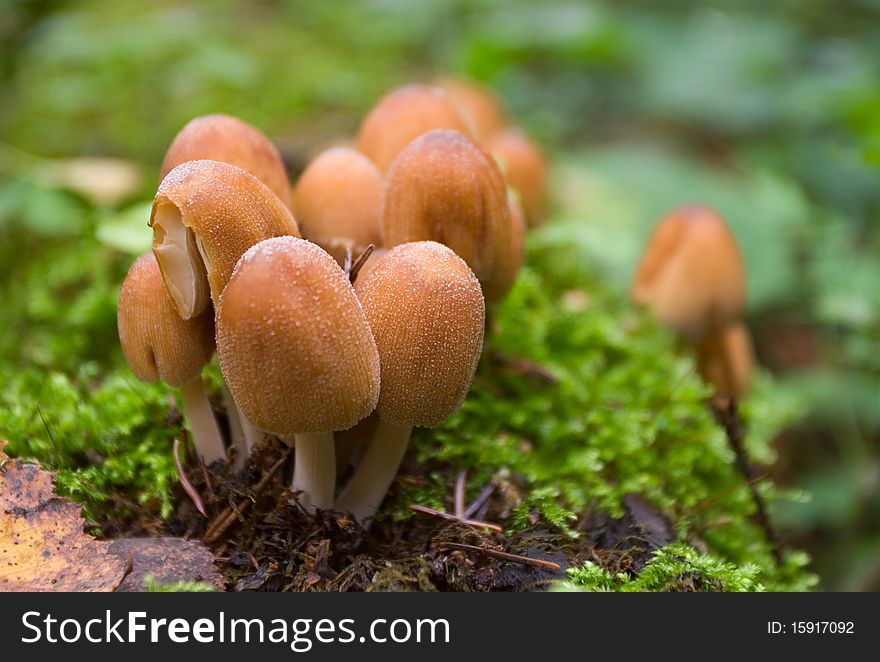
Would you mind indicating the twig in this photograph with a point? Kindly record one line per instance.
(458, 496)
(360, 262)
(347, 263)
(430, 512)
(229, 514)
(48, 431)
(729, 418)
(525, 367)
(504, 556)
(482, 498)
(184, 481)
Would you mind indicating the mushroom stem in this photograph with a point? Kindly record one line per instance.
(314, 471)
(373, 476)
(252, 434)
(236, 429)
(202, 424)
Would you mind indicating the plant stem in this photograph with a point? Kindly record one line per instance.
(373, 476)
(314, 469)
(201, 421)
(729, 417)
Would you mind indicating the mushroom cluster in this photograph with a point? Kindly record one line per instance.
(357, 321)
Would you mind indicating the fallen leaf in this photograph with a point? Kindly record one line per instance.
(167, 560)
(42, 543)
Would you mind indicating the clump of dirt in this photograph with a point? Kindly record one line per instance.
(265, 541)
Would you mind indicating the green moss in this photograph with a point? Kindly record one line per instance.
(672, 568)
(628, 414)
(152, 586)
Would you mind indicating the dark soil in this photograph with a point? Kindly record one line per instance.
(264, 541)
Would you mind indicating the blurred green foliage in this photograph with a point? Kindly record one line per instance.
(771, 113)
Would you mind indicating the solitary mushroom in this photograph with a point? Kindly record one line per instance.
(725, 360)
(427, 314)
(444, 187)
(403, 115)
(524, 167)
(230, 140)
(158, 344)
(691, 274)
(477, 104)
(338, 202)
(205, 215)
(298, 354)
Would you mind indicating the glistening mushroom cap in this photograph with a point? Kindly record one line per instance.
(230, 140)
(517, 249)
(444, 187)
(293, 341)
(403, 115)
(156, 342)
(525, 169)
(205, 215)
(338, 201)
(692, 275)
(477, 104)
(427, 314)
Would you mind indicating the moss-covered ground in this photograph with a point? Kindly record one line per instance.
(587, 436)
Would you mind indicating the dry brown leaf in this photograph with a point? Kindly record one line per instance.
(167, 561)
(42, 544)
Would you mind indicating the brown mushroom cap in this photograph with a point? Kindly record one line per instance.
(156, 342)
(692, 274)
(229, 140)
(403, 115)
(525, 168)
(338, 201)
(205, 215)
(477, 104)
(517, 249)
(444, 187)
(427, 314)
(294, 345)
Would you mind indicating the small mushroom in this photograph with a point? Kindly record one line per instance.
(338, 202)
(158, 344)
(230, 140)
(205, 215)
(525, 168)
(692, 275)
(403, 115)
(427, 314)
(477, 104)
(725, 360)
(297, 353)
(444, 187)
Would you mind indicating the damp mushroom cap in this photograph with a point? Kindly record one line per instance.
(230, 140)
(156, 342)
(525, 169)
(403, 115)
(692, 275)
(427, 314)
(205, 215)
(293, 341)
(444, 187)
(338, 200)
(477, 104)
